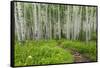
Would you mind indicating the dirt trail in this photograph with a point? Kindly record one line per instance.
(77, 56)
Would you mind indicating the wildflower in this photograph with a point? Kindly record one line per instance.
(30, 57)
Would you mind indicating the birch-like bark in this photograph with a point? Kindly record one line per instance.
(42, 21)
(59, 26)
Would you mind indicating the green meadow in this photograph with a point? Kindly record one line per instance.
(52, 52)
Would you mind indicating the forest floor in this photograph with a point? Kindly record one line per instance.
(78, 57)
(54, 52)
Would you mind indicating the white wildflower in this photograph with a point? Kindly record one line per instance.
(30, 57)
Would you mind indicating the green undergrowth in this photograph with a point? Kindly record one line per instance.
(51, 51)
(40, 52)
(88, 49)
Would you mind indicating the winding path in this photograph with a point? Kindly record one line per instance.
(77, 56)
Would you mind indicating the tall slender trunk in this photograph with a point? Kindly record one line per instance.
(59, 26)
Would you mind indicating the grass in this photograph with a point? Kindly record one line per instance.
(40, 52)
(48, 52)
(87, 49)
